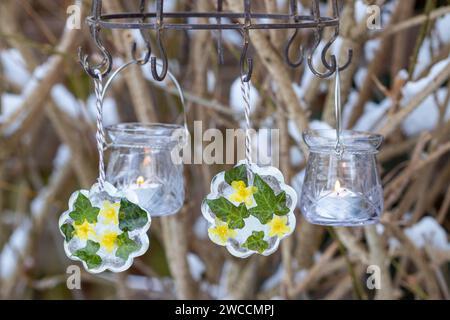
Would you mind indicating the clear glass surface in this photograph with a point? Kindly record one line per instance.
(141, 161)
(342, 190)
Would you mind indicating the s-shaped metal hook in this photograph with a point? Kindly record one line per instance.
(333, 66)
(156, 76)
(246, 74)
(106, 64)
(294, 13)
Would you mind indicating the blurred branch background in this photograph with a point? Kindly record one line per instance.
(397, 85)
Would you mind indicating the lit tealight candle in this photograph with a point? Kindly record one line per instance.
(340, 204)
(147, 192)
(140, 181)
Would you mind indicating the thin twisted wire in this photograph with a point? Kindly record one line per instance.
(338, 113)
(245, 89)
(100, 134)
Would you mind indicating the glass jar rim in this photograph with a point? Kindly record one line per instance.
(352, 141)
(136, 134)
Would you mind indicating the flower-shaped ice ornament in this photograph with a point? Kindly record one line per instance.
(250, 216)
(105, 230)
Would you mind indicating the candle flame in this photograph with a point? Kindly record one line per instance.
(140, 181)
(337, 186)
(147, 160)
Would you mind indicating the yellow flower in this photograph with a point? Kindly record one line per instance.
(84, 230)
(110, 212)
(108, 240)
(278, 226)
(243, 193)
(221, 233)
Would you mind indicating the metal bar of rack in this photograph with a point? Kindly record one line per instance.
(158, 21)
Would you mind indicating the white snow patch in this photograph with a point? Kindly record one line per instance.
(62, 156)
(300, 275)
(38, 75)
(10, 104)
(297, 184)
(296, 156)
(360, 76)
(110, 114)
(442, 28)
(428, 232)
(14, 67)
(319, 125)
(38, 203)
(196, 266)
(211, 81)
(374, 115)
(371, 49)
(200, 228)
(65, 100)
(360, 11)
(10, 255)
(426, 115)
(236, 100)
(294, 132)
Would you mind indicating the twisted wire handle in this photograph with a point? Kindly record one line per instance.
(338, 113)
(245, 89)
(100, 134)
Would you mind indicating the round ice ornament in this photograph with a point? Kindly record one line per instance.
(342, 188)
(250, 209)
(104, 229)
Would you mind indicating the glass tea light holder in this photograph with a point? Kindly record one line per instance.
(342, 189)
(141, 161)
(342, 185)
(145, 159)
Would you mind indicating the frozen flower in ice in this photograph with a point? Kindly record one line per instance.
(278, 226)
(220, 233)
(84, 230)
(108, 240)
(105, 228)
(110, 212)
(242, 193)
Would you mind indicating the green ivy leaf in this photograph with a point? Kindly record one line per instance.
(68, 230)
(228, 212)
(125, 246)
(256, 242)
(88, 254)
(238, 173)
(131, 216)
(267, 202)
(84, 210)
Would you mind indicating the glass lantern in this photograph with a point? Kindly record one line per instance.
(342, 187)
(141, 160)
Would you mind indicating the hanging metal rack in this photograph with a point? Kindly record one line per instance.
(147, 21)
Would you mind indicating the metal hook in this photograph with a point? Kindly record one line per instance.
(287, 48)
(294, 16)
(142, 61)
(246, 74)
(145, 59)
(318, 36)
(105, 65)
(156, 76)
(333, 66)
